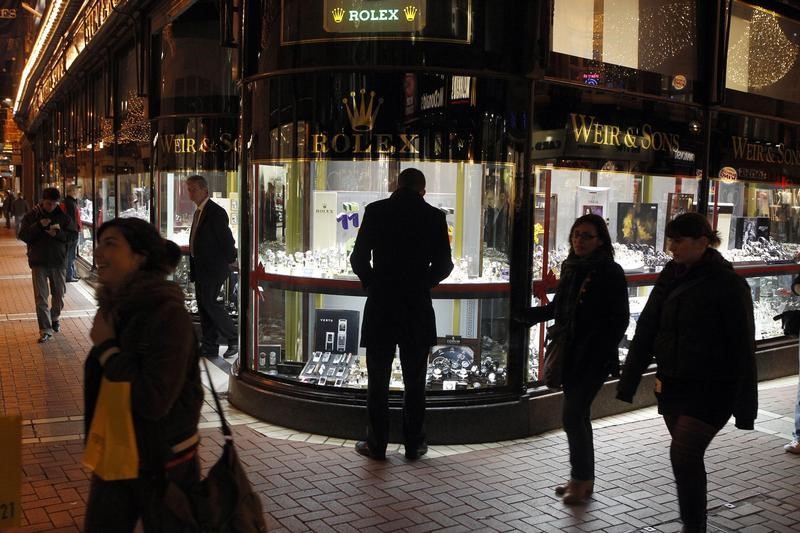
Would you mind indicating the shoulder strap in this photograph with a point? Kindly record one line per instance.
(682, 288)
(223, 423)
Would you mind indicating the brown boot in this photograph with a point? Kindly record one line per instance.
(578, 491)
(562, 489)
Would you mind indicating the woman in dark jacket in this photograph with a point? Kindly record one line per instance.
(698, 322)
(143, 334)
(592, 302)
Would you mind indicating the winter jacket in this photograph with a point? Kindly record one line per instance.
(70, 207)
(158, 354)
(698, 323)
(45, 250)
(20, 207)
(596, 313)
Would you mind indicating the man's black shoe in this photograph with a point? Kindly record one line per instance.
(231, 351)
(412, 454)
(362, 448)
(56, 325)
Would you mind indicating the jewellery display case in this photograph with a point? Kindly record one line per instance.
(310, 304)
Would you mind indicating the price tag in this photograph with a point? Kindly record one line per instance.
(10, 470)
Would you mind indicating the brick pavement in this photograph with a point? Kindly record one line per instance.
(313, 483)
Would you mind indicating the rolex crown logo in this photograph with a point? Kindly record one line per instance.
(410, 13)
(362, 113)
(338, 14)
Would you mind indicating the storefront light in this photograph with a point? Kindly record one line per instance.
(53, 15)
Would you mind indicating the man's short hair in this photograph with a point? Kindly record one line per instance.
(198, 180)
(411, 178)
(72, 188)
(51, 193)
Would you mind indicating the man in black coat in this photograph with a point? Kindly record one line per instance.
(44, 230)
(407, 242)
(212, 250)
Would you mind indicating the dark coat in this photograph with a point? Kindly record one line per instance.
(407, 241)
(597, 318)
(44, 250)
(214, 247)
(20, 207)
(699, 326)
(70, 206)
(159, 356)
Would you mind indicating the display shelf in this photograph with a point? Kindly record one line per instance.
(352, 287)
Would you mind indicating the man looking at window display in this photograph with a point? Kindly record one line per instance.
(212, 251)
(70, 207)
(401, 252)
(44, 231)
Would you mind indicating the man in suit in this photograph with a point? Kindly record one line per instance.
(212, 251)
(407, 242)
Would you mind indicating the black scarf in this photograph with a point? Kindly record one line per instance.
(574, 271)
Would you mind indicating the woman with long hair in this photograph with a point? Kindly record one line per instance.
(698, 323)
(591, 302)
(143, 334)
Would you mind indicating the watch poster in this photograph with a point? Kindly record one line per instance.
(268, 357)
(336, 331)
(751, 229)
(636, 223)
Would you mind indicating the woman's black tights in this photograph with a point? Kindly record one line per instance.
(690, 439)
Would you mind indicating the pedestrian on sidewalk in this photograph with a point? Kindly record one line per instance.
(401, 252)
(7, 203)
(212, 253)
(143, 334)
(44, 231)
(70, 207)
(19, 209)
(591, 301)
(698, 322)
(794, 445)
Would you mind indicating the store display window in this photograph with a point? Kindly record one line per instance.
(312, 179)
(85, 205)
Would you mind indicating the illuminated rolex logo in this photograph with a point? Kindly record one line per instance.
(338, 14)
(362, 113)
(410, 12)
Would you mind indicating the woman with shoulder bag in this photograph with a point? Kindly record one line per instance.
(698, 323)
(143, 334)
(591, 309)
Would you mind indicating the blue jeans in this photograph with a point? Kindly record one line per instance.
(72, 250)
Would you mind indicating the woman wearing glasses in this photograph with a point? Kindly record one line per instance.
(592, 302)
(698, 323)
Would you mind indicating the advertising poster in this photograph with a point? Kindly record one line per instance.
(636, 223)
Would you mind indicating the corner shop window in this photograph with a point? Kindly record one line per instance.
(309, 305)
(763, 49)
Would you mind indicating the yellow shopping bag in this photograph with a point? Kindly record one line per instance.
(111, 451)
(10, 470)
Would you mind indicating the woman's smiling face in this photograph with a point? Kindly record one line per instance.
(114, 258)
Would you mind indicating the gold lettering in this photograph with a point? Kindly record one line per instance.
(583, 129)
(751, 152)
(647, 137)
(630, 138)
(612, 136)
(190, 145)
(357, 146)
(598, 136)
(226, 142)
(178, 145)
(319, 143)
(410, 143)
(384, 143)
(739, 144)
(345, 146)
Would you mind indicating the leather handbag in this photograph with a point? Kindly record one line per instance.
(223, 502)
(554, 354)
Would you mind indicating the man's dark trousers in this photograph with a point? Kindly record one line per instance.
(214, 319)
(414, 361)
